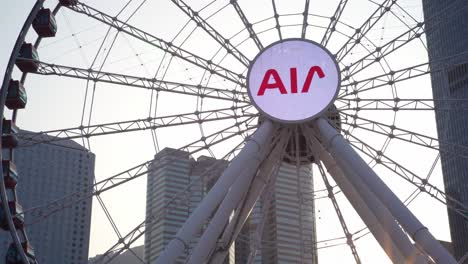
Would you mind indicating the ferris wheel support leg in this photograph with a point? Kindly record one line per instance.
(243, 209)
(377, 218)
(217, 193)
(208, 241)
(344, 154)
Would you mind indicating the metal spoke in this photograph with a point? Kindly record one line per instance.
(141, 82)
(304, 21)
(398, 104)
(394, 132)
(38, 213)
(108, 216)
(364, 29)
(380, 158)
(381, 52)
(276, 15)
(139, 230)
(224, 42)
(388, 78)
(333, 21)
(130, 126)
(168, 47)
(247, 24)
(348, 235)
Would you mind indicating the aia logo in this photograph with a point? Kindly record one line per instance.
(278, 83)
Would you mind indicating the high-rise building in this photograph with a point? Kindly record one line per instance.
(46, 173)
(447, 41)
(289, 230)
(171, 172)
(289, 234)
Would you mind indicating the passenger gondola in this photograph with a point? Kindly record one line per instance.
(16, 97)
(13, 256)
(27, 58)
(9, 137)
(10, 175)
(16, 211)
(44, 24)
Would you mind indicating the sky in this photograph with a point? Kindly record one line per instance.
(57, 102)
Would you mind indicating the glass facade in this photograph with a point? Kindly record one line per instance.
(447, 41)
(173, 171)
(289, 232)
(46, 173)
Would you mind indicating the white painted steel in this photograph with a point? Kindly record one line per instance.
(343, 153)
(259, 182)
(217, 193)
(376, 217)
(233, 199)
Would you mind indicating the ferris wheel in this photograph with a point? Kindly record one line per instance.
(340, 87)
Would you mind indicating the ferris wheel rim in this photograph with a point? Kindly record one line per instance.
(197, 106)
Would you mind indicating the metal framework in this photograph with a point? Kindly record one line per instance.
(346, 144)
(224, 42)
(141, 82)
(247, 24)
(166, 46)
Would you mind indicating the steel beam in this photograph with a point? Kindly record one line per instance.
(367, 216)
(247, 24)
(214, 197)
(364, 29)
(140, 82)
(165, 46)
(202, 23)
(375, 215)
(333, 21)
(254, 191)
(208, 241)
(346, 156)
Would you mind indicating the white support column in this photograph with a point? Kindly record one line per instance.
(233, 200)
(377, 218)
(345, 155)
(206, 208)
(235, 225)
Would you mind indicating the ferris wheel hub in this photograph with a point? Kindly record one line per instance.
(293, 80)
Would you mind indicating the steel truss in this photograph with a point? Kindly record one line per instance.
(247, 24)
(224, 42)
(38, 213)
(166, 46)
(229, 203)
(141, 82)
(401, 104)
(380, 201)
(150, 123)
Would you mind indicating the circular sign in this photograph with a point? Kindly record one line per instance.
(293, 80)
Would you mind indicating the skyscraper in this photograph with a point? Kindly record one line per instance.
(447, 41)
(289, 234)
(289, 230)
(173, 171)
(48, 172)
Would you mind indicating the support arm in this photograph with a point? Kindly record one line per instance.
(340, 149)
(377, 218)
(217, 193)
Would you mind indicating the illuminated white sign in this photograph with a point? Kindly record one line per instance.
(293, 80)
